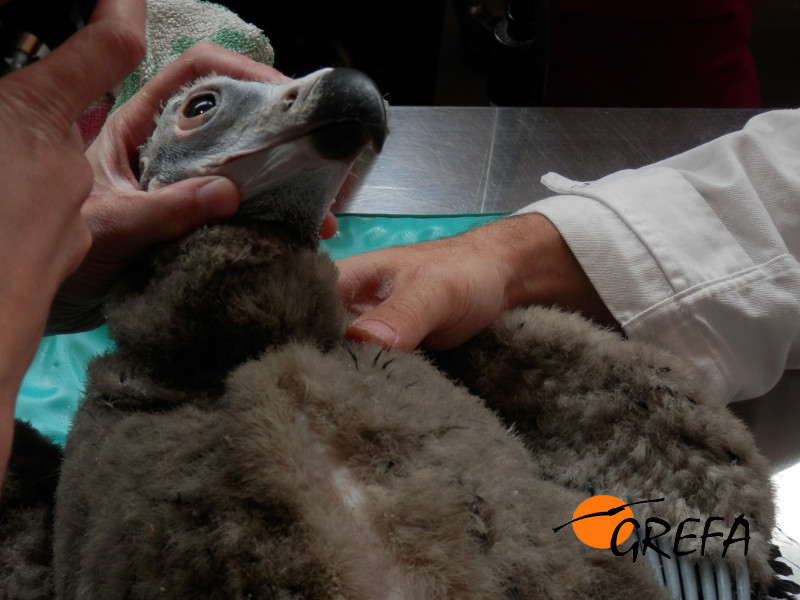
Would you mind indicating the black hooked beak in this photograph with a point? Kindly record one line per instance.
(351, 114)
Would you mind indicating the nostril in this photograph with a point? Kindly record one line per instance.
(290, 99)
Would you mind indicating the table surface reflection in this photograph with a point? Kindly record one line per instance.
(482, 159)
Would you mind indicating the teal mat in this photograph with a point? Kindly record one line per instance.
(53, 385)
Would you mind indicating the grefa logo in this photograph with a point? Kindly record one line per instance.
(605, 522)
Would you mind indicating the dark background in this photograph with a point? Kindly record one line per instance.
(397, 44)
(420, 52)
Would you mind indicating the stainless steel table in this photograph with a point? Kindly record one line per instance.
(477, 160)
(482, 160)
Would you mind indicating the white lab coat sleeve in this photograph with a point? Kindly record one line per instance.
(700, 252)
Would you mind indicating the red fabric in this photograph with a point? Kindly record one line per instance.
(92, 119)
(667, 53)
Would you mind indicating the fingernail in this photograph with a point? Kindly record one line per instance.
(220, 199)
(328, 228)
(376, 331)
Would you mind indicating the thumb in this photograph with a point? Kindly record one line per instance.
(180, 208)
(401, 322)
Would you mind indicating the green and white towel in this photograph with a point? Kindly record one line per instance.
(173, 26)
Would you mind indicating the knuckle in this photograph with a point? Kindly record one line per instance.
(198, 58)
(201, 48)
(412, 313)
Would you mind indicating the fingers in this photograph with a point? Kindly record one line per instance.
(328, 228)
(178, 209)
(400, 301)
(364, 284)
(145, 218)
(428, 316)
(437, 293)
(90, 63)
(205, 57)
(199, 60)
(400, 323)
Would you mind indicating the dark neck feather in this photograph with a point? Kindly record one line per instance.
(202, 305)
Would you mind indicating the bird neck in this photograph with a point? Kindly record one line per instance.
(200, 306)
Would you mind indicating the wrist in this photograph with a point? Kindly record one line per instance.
(22, 322)
(543, 270)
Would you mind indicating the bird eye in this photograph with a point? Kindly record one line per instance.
(199, 105)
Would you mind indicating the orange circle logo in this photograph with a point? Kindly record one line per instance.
(596, 518)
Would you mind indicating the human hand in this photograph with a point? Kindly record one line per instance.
(46, 176)
(125, 220)
(441, 293)
(46, 179)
